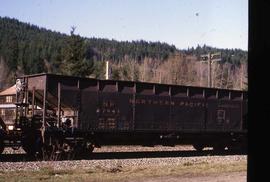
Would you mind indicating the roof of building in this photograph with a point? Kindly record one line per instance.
(7, 106)
(9, 91)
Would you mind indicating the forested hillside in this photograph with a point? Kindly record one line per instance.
(28, 49)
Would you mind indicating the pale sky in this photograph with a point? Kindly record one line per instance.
(183, 23)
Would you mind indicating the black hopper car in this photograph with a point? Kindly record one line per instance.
(68, 115)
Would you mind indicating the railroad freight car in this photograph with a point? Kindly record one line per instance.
(65, 114)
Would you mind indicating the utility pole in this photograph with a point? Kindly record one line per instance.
(210, 58)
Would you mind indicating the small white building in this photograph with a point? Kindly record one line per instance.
(7, 106)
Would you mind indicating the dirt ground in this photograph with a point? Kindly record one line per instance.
(223, 177)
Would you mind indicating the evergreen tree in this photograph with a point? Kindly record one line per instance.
(75, 62)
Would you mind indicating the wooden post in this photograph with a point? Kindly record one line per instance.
(210, 59)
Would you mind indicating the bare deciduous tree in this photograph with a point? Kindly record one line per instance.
(181, 70)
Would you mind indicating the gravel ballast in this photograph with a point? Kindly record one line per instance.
(114, 163)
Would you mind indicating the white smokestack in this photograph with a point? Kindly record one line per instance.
(107, 70)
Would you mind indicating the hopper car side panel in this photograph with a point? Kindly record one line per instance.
(122, 112)
(223, 115)
(89, 110)
(152, 113)
(188, 114)
(114, 111)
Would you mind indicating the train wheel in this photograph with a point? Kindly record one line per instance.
(68, 151)
(51, 153)
(29, 149)
(198, 147)
(70, 155)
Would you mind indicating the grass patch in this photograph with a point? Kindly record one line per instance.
(120, 173)
(51, 172)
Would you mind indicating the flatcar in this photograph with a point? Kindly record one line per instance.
(65, 114)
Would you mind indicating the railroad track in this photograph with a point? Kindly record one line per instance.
(129, 155)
